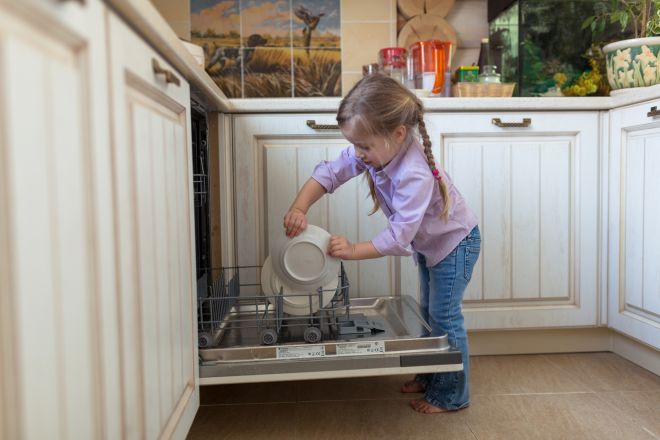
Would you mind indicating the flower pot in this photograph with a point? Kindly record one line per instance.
(633, 63)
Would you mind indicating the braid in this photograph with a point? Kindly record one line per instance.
(442, 185)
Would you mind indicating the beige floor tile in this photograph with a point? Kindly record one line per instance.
(377, 419)
(642, 407)
(258, 421)
(269, 392)
(605, 372)
(550, 416)
(519, 374)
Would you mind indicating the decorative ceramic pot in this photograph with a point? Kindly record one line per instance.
(633, 63)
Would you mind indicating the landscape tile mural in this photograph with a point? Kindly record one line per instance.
(316, 36)
(216, 26)
(270, 48)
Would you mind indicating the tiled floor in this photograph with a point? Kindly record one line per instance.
(564, 396)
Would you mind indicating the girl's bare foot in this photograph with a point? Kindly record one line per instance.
(412, 386)
(422, 406)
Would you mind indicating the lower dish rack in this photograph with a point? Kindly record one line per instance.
(235, 310)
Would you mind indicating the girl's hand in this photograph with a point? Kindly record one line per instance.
(295, 222)
(340, 247)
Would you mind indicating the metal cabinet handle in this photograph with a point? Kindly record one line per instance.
(653, 112)
(82, 2)
(526, 122)
(169, 76)
(311, 123)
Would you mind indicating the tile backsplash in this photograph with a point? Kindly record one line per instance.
(365, 26)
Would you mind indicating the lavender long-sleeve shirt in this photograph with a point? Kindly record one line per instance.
(410, 199)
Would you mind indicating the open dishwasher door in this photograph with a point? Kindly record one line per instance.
(371, 337)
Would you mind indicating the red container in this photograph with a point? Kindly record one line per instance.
(392, 61)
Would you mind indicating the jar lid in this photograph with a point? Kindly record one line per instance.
(388, 52)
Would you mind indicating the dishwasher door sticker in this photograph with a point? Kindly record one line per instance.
(355, 348)
(308, 351)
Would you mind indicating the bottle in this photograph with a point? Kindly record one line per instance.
(483, 55)
(490, 75)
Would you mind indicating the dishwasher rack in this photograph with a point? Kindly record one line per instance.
(235, 303)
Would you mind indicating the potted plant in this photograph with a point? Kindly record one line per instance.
(633, 62)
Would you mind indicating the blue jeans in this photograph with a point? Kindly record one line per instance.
(441, 292)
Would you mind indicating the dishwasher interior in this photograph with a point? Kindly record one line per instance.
(244, 335)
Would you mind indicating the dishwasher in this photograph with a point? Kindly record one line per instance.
(245, 336)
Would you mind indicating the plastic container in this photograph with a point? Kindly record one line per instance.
(392, 61)
(428, 64)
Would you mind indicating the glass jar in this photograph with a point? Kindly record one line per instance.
(392, 61)
(489, 75)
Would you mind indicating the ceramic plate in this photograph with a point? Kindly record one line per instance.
(294, 305)
(302, 262)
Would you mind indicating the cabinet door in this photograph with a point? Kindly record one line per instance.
(535, 192)
(275, 155)
(153, 178)
(58, 347)
(634, 230)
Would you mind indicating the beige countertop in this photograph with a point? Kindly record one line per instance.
(146, 20)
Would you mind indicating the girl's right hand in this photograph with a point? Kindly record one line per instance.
(295, 222)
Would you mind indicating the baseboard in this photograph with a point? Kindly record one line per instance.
(636, 352)
(570, 340)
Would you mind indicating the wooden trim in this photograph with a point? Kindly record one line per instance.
(570, 340)
(636, 352)
(10, 416)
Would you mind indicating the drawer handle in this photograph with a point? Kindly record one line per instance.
(311, 123)
(169, 76)
(81, 2)
(526, 122)
(653, 112)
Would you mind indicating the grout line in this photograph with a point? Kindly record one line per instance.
(250, 403)
(549, 393)
(474, 434)
(650, 432)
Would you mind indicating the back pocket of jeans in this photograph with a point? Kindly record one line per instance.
(471, 257)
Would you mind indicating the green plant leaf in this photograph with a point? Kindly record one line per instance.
(587, 22)
(624, 21)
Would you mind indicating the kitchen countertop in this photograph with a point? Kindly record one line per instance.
(146, 20)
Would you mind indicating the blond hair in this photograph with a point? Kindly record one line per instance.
(378, 105)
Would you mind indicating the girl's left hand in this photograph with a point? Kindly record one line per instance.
(340, 247)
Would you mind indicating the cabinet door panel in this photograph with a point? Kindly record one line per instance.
(154, 205)
(634, 231)
(275, 155)
(535, 192)
(53, 139)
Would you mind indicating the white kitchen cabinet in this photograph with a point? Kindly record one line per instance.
(58, 348)
(634, 222)
(274, 156)
(534, 188)
(155, 238)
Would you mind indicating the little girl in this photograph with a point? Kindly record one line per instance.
(427, 217)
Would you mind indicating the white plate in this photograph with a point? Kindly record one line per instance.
(302, 262)
(294, 305)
